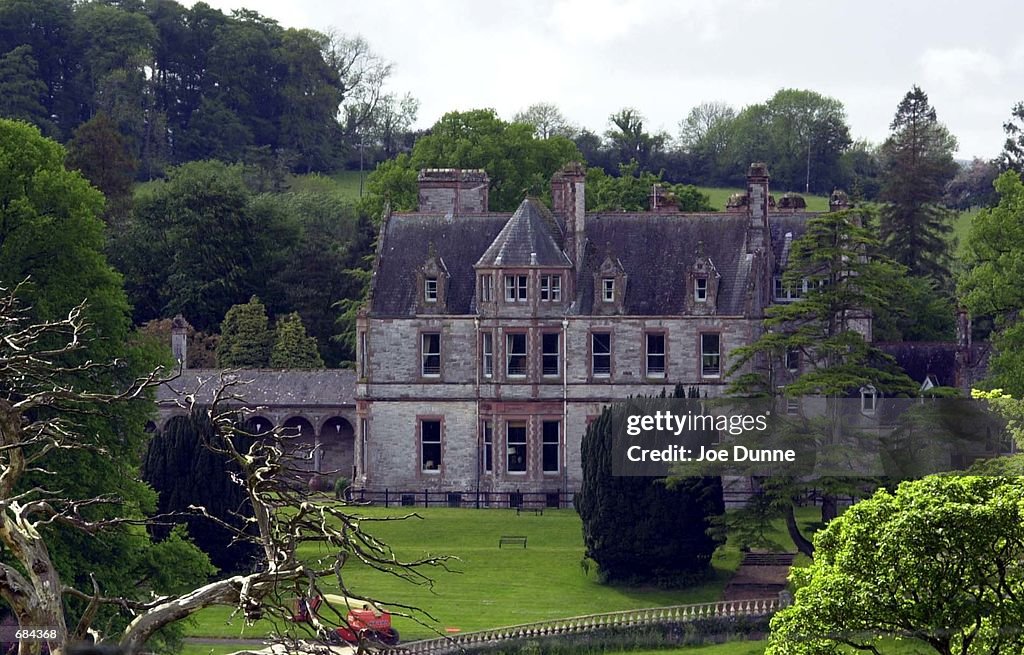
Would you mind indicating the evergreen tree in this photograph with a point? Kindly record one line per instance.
(293, 348)
(643, 529)
(101, 154)
(21, 92)
(245, 338)
(918, 162)
(185, 472)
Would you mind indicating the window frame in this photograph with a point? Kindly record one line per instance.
(430, 290)
(424, 354)
(513, 448)
(487, 440)
(517, 287)
(545, 354)
(594, 354)
(486, 287)
(487, 354)
(700, 289)
(509, 354)
(551, 287)
(548, 446)
(663, 354)
(422, 443)
(607, 289)
(705, 370)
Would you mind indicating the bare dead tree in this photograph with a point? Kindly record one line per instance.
(36, 399)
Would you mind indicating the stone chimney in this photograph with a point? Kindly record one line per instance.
(568, 202)
(757, 207)
(453, 191)
(838, 201)
(179, 340)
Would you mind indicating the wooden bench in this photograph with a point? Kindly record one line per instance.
(539, 511)
(510, 540)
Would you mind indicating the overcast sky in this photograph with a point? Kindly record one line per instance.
(592, 57)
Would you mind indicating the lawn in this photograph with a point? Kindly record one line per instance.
(490, 586)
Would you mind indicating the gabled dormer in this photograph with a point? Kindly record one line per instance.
(432, 284)
(609, 287)
(702, 281)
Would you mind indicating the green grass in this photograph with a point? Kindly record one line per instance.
(719, 196)
(961, 228)
(491, 587)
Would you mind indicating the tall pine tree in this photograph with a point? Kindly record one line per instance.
(918, 162)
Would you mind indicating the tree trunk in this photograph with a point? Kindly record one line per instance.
(829, 508)
(802, 543)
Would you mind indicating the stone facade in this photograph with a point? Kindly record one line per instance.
(548, 316)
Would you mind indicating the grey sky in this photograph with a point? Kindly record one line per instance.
(592, 57)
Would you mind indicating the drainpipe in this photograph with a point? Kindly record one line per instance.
(565, 407)
(479, 435)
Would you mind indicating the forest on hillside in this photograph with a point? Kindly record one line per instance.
(222, 142)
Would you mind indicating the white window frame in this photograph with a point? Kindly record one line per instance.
(487, 354)
(700, 289)
(516, 288)
(649, 371)
(515, 448)
(510, 337)
(424, 354)
(430, 289)
(547, 446)
(707, 356)
(594, 354)
(487, 288)
(545, 354)
(551, 288)
(436, 469)
(607, 289)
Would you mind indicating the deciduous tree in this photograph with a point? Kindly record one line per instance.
(936, 565)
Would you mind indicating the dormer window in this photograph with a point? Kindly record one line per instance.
(551, 288)
(430, 289)
(700, 289)
(515, 288)
(608, 289)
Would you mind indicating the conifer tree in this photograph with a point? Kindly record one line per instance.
(918, 162)
(245, 339)
(293, 348)
(644, 529)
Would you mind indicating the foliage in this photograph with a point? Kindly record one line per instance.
(293, 348)
(202, 347)
(1010, 408)
(23, 93)
(393, 184)
(641, 529)
(216, 242)
(705, 134)
(101, 154)
(918, 163)
(802, 133)
(51, 234)
(630, 141)
(245, 339)
(919, 312)
(1012, 157)
(518, 163)
(973, 186)
(183, 468)
(547, 121)
(990, 285)
(937, 563)
(845, 278)
(632, 189)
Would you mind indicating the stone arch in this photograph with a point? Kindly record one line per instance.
(301, 443)
(258, 425)
(337, 447)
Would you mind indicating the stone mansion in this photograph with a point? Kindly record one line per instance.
(490, 340)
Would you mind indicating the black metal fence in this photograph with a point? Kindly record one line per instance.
(521, 500)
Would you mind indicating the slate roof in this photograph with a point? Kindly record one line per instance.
(530, 238)
(657, 250)
(266, 387)
(459, 241)
(780, 225)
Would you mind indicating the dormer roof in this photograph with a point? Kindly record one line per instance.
(531, 237)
